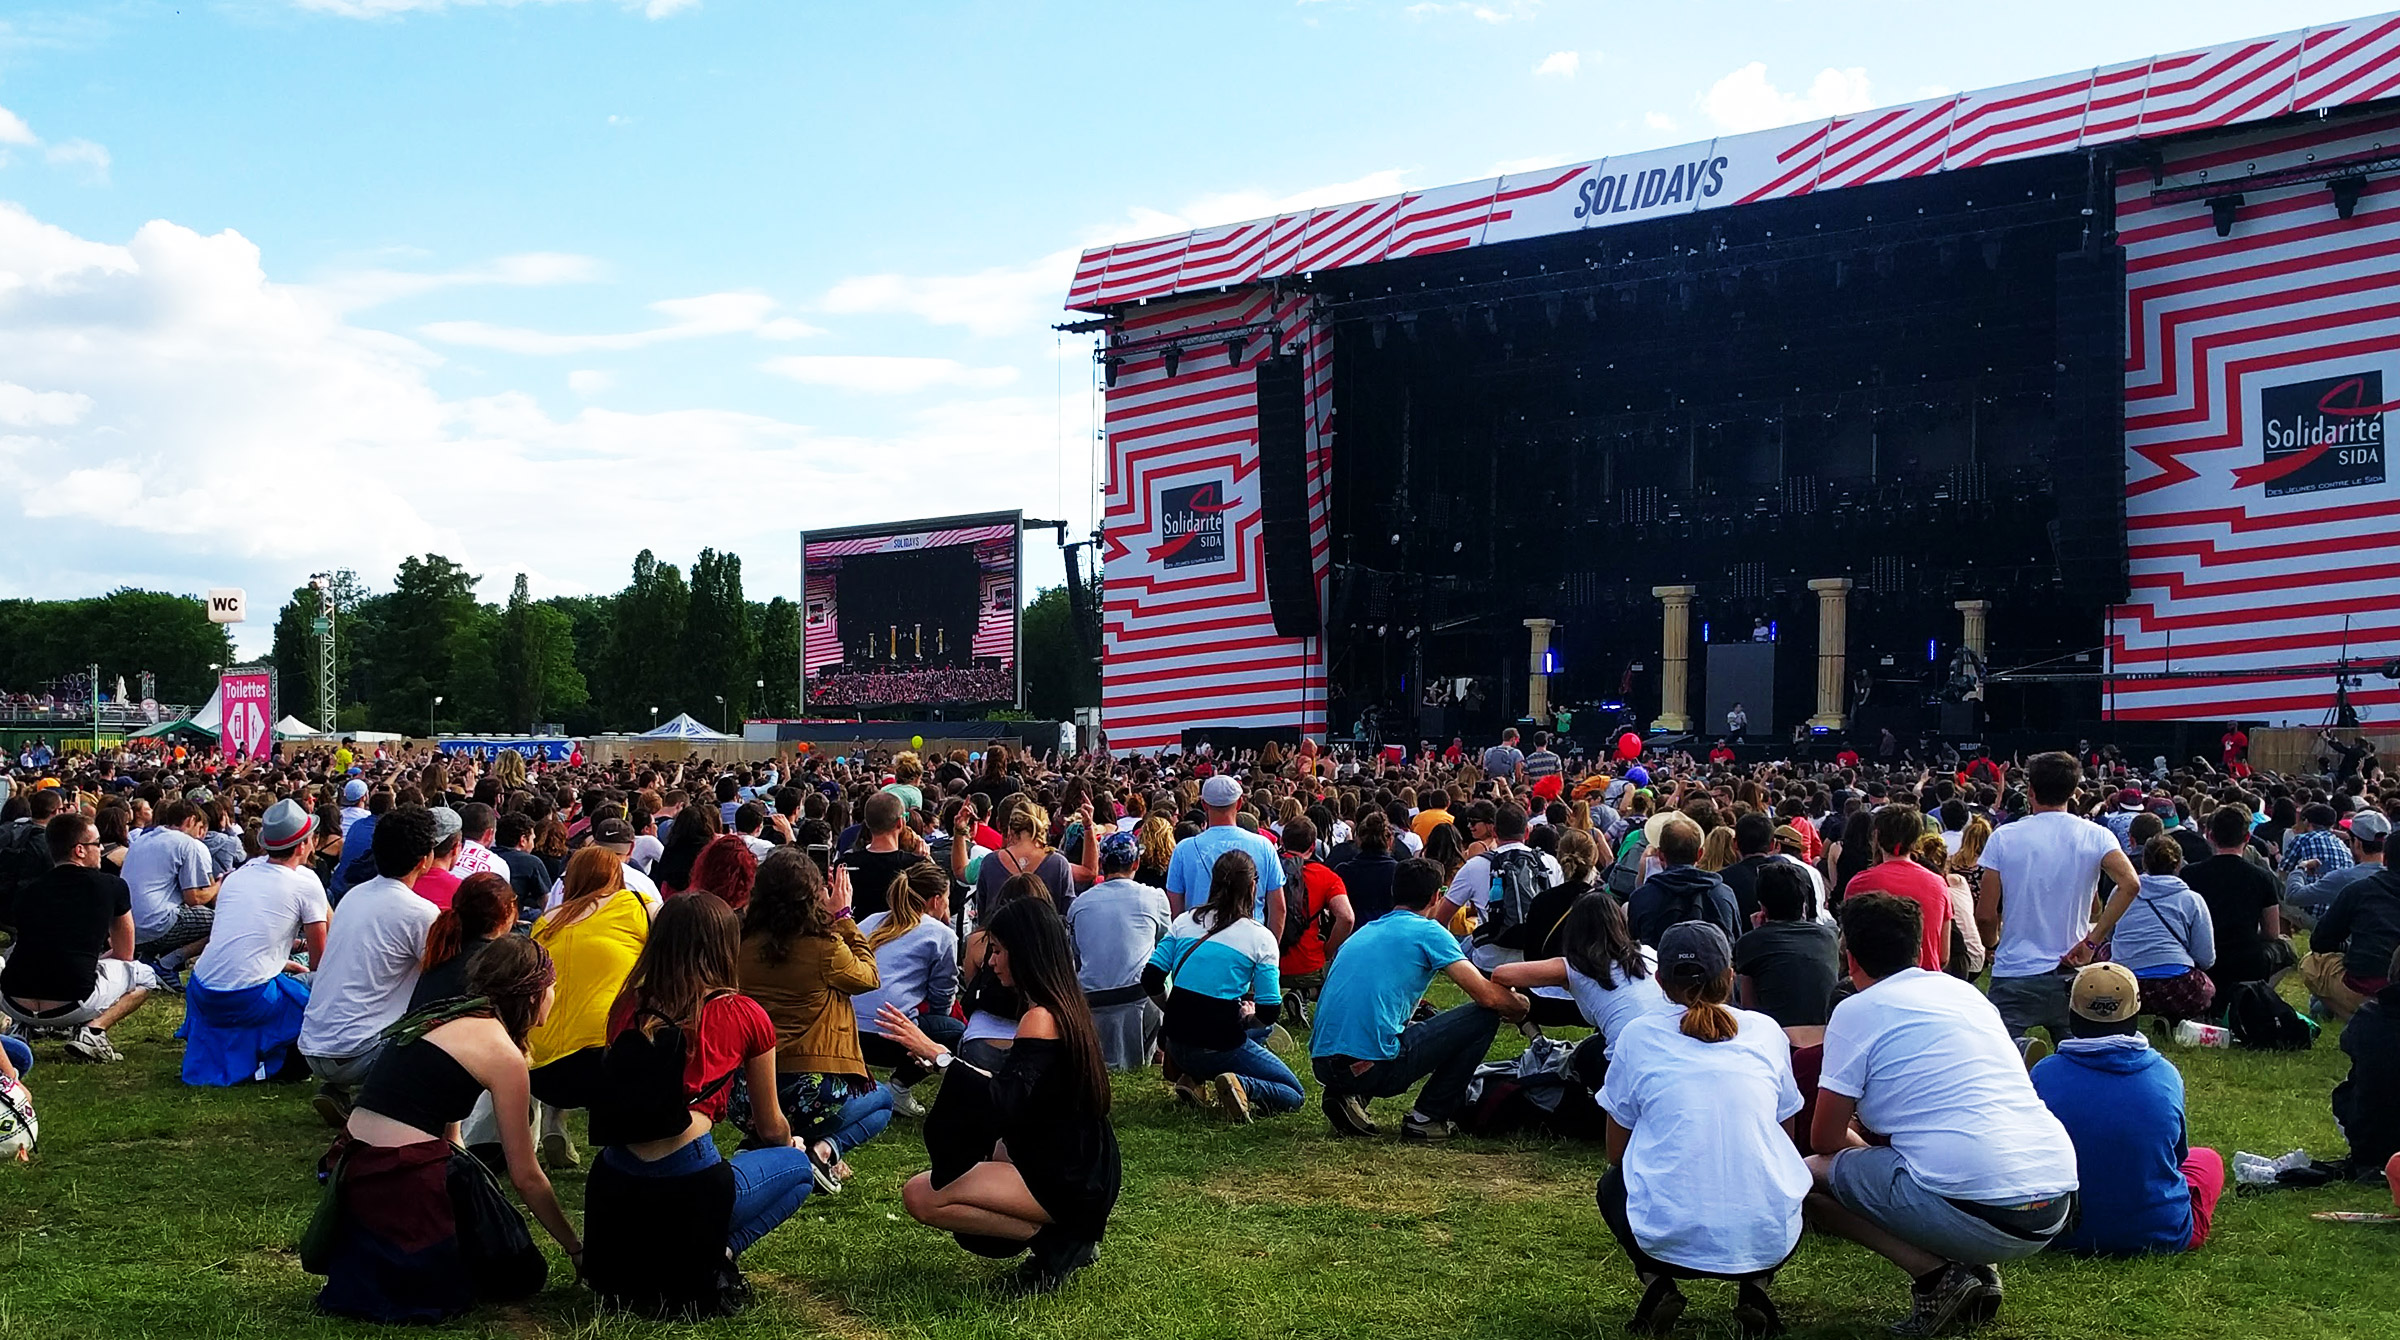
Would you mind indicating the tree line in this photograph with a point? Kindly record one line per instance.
(589, 663)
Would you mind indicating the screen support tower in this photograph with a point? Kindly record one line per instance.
(328, 708)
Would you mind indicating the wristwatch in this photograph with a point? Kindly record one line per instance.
(942, 1059)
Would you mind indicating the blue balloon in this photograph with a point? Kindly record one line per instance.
(1637, 775)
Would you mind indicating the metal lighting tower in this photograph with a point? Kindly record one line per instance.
(328, 695)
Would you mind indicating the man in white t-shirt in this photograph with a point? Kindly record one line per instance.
(1472, 886)
(174, 886)
(1978, 1171)
(476, 823)
(247, 999)
(2035, 905)
(372, 957)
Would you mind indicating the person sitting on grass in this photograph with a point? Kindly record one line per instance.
(1704, 1181)
(1790, 962)
(1117, 923)
(2366, 1104)
(2145, 1189)
(72, 967)
(916, 964)
(1363, 1045)
(1608, 979)
(373, 953)
(1024, 1155)
(1681, 890)
(595, 935)
(1226, 984)
(174, 884)
(247, 998)
(402, 1251)
(667, 1217)
(482, 912)
(1977, 1172)
(1317, 914)
(802, 960)
(2166, 939)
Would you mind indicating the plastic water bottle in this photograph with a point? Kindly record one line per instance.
(2193, 1033)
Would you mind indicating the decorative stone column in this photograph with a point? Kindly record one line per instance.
(1976, 612)
(1675, 657)
(1537, 673)
(1833, 650)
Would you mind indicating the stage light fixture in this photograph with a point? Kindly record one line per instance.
(1173, 359)
(1553, 304)
(1233, 351)
(2221, 209)
(1591, 307)
(1991, 251)
(1408, 326)
(2346, 191)
(1108, 370)
(1375, 331)
(1491, 320)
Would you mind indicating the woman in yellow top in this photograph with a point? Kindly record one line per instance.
(593, 935)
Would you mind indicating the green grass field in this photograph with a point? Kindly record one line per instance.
(154, 1209)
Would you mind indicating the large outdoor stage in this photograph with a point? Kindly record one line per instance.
(2075, 389)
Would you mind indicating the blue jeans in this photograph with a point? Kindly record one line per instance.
(1443, 1051)
(1269, 1082)
(861, 1119)
(19, 1054)
(768, 1184)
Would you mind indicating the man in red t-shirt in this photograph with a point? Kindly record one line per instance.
(1848, 758)
(1897, 831)
(2236, 744)
(1307, 942)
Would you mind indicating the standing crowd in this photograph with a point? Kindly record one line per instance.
(1777, 965)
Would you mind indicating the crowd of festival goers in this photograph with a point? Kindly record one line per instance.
(1770, 973)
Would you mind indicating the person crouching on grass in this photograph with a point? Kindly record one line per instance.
(1704, 1182)
(1024, 1155)
(1222, 962)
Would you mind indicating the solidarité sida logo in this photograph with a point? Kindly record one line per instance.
(2321, 434)
(1191, 525)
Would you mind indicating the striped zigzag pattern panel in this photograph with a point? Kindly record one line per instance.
(2262, 517)
(1187, 633)
(2236, 83)
(996, 616)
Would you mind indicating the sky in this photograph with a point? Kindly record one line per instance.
(296, 284)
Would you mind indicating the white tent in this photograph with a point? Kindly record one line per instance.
(682, 728)
(293, 728)
(211, 716)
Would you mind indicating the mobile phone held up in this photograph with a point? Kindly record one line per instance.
(822, 854)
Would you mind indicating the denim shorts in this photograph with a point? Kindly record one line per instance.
(1875, 1182)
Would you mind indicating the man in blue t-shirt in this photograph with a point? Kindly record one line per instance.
(2144, 1189)
(1194, 863)
(1364, 1045)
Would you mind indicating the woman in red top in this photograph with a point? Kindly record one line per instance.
(663, 1222)
(1897, 830)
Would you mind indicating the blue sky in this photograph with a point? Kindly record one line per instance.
(295, 283)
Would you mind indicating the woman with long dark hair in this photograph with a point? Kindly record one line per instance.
(992, 1006)
(695, 827)
(802, 960)
(416, 1239)
(666, 1215)
(1705, 1181)
(1024, 1155)
(1609, 978)
(1223, 963)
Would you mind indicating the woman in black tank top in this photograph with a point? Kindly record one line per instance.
(421, 1231)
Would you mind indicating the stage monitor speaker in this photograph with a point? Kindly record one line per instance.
(2088, 449)
(1740, 672)
(1283, 498)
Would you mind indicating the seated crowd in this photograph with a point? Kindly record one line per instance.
(1777, 967)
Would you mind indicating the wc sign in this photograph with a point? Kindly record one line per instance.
(226, 605)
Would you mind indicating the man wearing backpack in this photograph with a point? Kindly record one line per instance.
(24, 851)
(1681, 891)
(1317, 914)
(1500, 885)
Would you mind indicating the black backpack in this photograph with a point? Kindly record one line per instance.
(1518, 878)
(2265, 1021)
(24, 858)
(642, 1098)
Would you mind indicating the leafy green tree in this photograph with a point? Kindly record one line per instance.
(720, 648)
(591, 621)
(535, 660)
(779, 657)
(125, 632)
(1058, 676)
(432, 640)
(646, 644)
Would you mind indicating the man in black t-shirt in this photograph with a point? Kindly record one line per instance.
(72, 968)
(2244, 906)
(889, 849)
(528, 878)
(1789, 964)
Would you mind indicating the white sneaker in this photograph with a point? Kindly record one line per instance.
(93, 1045)
(905, 1104)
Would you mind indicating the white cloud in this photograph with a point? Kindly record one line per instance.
(13, 130)
(590, 381)
(385, 9)
(877, 375)
(1530, 163)
(1658, 120)
(689, 319)
(24, 408)
(92, 158)
(356, 289)
(213, 413)
(1745, 100)
(1504, 11)
(1562, 64)
(999, 301)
